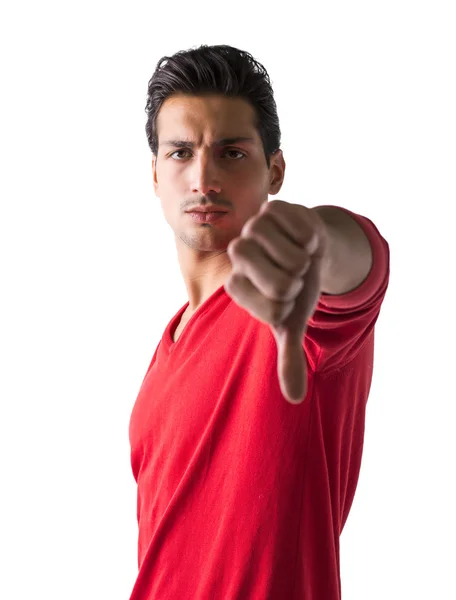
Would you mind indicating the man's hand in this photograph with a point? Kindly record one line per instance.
(276, 276)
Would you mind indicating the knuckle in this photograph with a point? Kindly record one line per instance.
(252, 224)
(256, 225)
(237, 247)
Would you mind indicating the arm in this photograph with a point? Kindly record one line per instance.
(349, 258)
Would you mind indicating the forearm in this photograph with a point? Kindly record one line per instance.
(349, 253)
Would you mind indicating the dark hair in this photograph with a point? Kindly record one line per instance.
(220, 70)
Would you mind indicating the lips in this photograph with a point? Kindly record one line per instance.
(206, 217)
(207, 209)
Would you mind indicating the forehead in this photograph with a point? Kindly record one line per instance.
(211, 117)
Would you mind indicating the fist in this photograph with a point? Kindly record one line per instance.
(276, 276)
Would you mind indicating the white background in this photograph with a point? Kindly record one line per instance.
(89, 274)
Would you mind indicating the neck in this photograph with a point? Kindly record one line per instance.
(203, 274)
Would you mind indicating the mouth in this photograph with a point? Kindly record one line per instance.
(206, 216)
(206, 209)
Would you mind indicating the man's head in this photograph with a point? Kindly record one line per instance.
(208, 98)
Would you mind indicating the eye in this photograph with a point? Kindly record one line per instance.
(177, 152)
(242, 155)
(237, 152)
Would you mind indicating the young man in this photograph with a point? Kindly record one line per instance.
(247, 432)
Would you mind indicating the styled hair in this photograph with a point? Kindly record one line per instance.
(209, 70)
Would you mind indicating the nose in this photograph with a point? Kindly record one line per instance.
(205, 175)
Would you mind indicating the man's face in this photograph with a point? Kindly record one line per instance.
(233, 176)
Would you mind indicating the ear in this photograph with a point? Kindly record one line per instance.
(154, 174)
(277, 172)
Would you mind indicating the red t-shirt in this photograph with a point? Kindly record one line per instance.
(242, 495)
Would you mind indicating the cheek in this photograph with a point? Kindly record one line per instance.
(252, 188)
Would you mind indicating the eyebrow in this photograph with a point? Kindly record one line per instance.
(221, 142)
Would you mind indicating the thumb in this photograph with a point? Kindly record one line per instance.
(291, 366)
